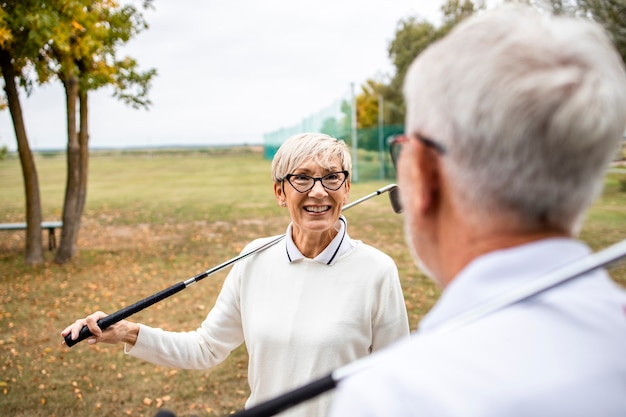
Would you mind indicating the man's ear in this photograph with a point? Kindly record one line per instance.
(279, 193)
(426, 177)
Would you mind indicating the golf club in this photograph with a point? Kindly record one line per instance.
(103, 323)
(534, 287)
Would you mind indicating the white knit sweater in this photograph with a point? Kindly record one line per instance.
(300, 320)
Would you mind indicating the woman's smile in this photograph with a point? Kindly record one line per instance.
(316, 209)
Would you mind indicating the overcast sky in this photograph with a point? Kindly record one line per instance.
(230, 71)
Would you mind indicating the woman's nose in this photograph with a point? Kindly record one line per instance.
(318, 189)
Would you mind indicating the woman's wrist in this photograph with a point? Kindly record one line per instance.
(131, 333)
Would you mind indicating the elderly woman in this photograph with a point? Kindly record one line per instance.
(304, 307)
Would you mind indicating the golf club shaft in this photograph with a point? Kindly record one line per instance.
(128, 311)
(392, 189)
(544, 283)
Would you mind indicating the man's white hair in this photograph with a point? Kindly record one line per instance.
(531, 109)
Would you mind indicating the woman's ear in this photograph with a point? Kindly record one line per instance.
(346, 197)
(279, 193)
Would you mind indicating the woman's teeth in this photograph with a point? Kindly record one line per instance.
(316, 209)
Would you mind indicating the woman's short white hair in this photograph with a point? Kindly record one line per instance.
(325, 150)
(531, 109)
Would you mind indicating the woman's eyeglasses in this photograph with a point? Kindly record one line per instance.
(303, 183)
(395, 146)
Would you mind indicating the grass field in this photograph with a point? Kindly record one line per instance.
(153, 220)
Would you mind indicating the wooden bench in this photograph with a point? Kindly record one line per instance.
(51, 226)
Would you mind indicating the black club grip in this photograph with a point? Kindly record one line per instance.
(109, 320)
(289, 399)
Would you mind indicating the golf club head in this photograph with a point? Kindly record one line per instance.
(394, 199)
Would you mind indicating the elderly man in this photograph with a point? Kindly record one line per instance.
(511, 122)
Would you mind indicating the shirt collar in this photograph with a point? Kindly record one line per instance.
(500, 272)
(340, 244)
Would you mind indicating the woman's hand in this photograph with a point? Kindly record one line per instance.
(122, 331)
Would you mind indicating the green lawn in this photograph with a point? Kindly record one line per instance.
(153, 220)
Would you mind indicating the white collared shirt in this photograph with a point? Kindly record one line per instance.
(340, 245)
(560, 353)
(299, 320)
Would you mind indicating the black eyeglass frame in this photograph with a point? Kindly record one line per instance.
(399, 140)
(315, 179)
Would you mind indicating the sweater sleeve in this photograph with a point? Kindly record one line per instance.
(203, 348)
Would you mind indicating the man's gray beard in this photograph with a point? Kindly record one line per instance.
(408, 233)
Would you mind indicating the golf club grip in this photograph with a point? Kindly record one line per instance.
(289, 399)
(111, 319)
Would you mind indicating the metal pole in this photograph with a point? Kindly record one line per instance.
(381, 122)
(355, 159)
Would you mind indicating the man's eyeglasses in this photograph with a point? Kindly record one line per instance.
(303, 183)
(395, 146)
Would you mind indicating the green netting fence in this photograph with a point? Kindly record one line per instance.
(370, 146)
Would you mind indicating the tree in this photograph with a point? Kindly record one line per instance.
(367, 104)
(82, 54)
(76, 42)
(18, 48)
(454, 11)
(611, 14)
(412, 37)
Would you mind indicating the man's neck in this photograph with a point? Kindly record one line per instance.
(460, 250)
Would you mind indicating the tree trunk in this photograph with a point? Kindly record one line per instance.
(34, 245)
(71, 206)
(83, 142)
